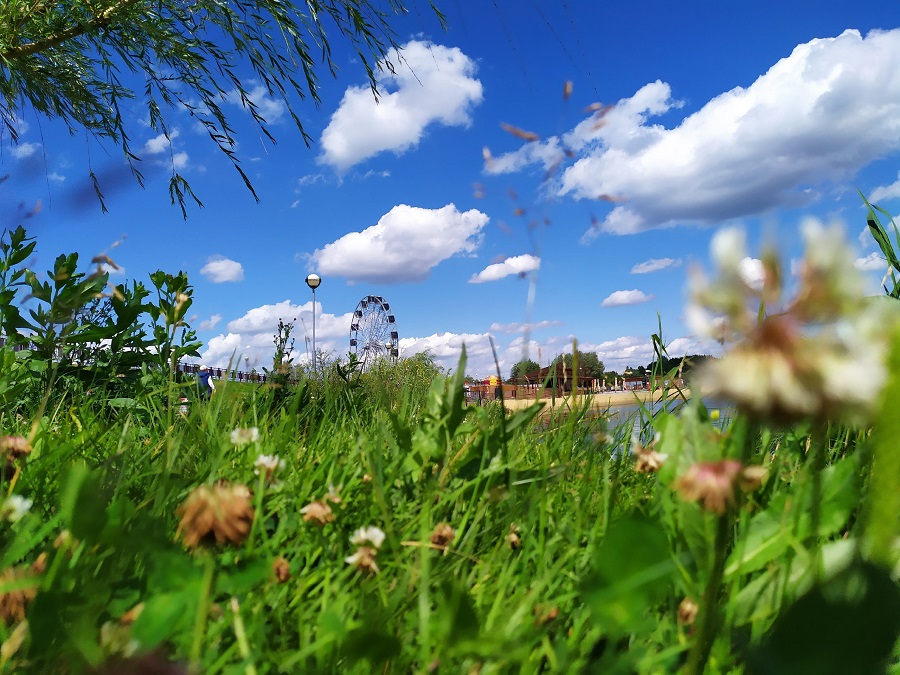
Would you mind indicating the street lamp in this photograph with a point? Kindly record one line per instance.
(313, 281)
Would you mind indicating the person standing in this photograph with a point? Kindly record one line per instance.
(206, 384)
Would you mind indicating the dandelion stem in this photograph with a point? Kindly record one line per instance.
(710, 615)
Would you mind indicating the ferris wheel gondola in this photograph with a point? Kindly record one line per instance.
(373, 331)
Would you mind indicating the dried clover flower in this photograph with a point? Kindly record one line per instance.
(715, 484)
(317, 513)
(334, 494)
(442, 536)
(368, 535)
(14, 603)
(281, 568)
(244, 436)
(513, 538)
(646, 459)
(687, 611)
(364, 560)
(15, 447)
(804, 358)
(221, 514)
(115, 638)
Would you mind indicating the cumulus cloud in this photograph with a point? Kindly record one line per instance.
(431, 84)
(25, 150)
(512, 328)
(219, 270)
(160, 144)
(622, 298)
(403, 246)
(269, 108)
(817, 116)
(874, 262)
(885, 192)
(210, 323)
(520, 264)
(251, 334)
(655, 264)
(56, 177)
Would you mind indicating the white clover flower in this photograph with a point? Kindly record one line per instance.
(14, 507)
(820, 356)
(371, 535)
(242, 436)
(269, 463)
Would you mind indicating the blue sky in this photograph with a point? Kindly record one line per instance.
(755, 114)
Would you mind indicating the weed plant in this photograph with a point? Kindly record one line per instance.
(375, 523)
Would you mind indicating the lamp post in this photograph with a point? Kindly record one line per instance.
(313, 281)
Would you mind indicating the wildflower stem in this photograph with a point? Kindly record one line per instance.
(209, 570)
(816, 464)
(710, 615)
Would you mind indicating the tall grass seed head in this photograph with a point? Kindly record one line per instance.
(221, 514)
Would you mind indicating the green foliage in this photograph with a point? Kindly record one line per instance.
(589, 364)
(72, 61)
(522, 368)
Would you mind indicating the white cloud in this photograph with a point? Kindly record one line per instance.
(160, 144)
(210, 323)
(56, 177)
(25, 150)
(271, 109)
(219, 270)
(310, 179)
(520, 264)
(403, 246)
(622, 298)
(180, 160)
(874, 262)
(431, 84)
(655, 264)
(513, 328)
(817, 116)
(885, 192)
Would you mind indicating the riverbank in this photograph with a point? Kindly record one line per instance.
(608, 399)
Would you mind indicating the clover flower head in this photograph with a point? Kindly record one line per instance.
(15, 446)
(14, 507)
(646, 459)
(269, 464)
(715, 484)
(687, 611)
(442, 536)
(220, 514)
(803, 358)
(368, 535)
(241, 436)
(364, 560)
(317, 513)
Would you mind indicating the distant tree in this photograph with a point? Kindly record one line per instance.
(71, 60)
(522, 368)
(588, 362)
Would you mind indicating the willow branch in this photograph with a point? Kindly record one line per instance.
(100, 20)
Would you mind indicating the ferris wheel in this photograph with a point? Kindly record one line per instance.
(373, 331)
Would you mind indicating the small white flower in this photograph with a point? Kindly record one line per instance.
(243, 436)
(269, 463)
(371, 535)
(14, 507)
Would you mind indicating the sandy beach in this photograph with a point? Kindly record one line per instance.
(609, 399)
